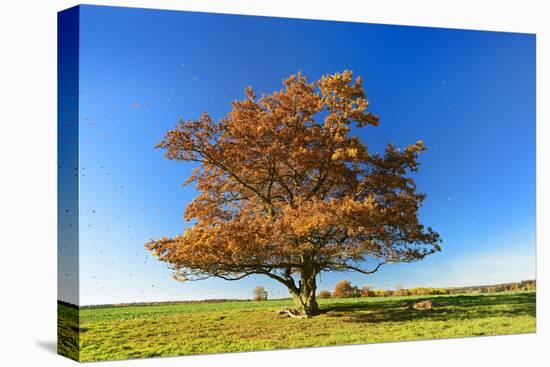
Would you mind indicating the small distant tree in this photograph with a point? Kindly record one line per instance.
(324, 294)
(259, 294)
(400, 291)
(344, 289)
(366, 291)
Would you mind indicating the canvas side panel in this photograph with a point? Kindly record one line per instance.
(67, 183)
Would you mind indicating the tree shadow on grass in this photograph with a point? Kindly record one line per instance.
(456, 307)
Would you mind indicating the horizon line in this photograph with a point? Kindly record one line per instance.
(213, 300)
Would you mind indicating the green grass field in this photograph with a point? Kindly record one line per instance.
(178, 329)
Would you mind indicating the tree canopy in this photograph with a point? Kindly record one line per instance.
(285, 190)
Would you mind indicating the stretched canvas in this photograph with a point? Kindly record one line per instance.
(235, 183)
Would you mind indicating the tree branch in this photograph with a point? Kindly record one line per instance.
(357, 269)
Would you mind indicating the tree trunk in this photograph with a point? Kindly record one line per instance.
(304, 296)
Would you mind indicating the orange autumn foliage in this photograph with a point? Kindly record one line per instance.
(287, 192)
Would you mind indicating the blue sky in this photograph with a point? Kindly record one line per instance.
(469, 95)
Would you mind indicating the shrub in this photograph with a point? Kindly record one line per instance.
(324, 294)
(512, 287)
(421, 291)
(382, 293)
(344, 289)
(367, 291)
(528, 285)
(400, 291)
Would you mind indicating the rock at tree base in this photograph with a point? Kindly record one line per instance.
(422, 305)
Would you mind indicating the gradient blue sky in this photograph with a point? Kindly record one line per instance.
(470, 95)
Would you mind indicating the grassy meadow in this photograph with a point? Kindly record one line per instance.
(122, 332)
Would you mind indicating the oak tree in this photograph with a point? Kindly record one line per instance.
(285, 190)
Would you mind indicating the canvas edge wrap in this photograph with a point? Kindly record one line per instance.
(68, 171)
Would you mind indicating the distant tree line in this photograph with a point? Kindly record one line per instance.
(344, 289)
